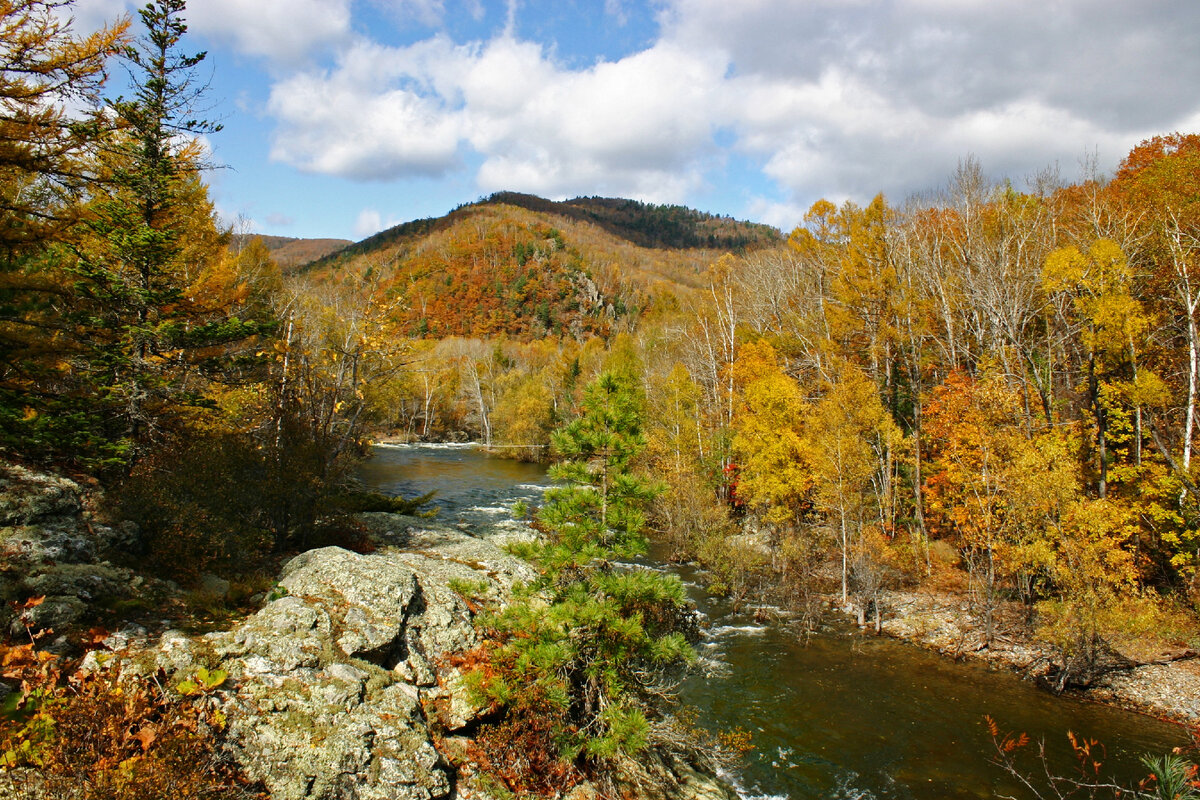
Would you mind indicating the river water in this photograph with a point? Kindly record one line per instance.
(838, 714)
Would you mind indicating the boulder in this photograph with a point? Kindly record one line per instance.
(88, 582)
(214, 585)
(27, 497)
(330, 690)
(324, 691)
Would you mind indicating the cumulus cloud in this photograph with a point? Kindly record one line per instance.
(92, 15)
(856, 97)
(286, 32)
(337, 128)
(830, 97)
(635, 126)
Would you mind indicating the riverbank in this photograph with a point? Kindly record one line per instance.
(1167, 687)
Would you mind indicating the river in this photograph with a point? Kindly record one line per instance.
(838, 714)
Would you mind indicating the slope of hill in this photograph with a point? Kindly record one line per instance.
(291, 253)
(535, 267)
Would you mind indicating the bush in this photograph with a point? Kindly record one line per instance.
(91, 737)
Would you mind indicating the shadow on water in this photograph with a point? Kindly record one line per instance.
(834, 715)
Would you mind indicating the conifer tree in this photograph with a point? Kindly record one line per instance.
(150, 234)
(45, 154)
(603, 642)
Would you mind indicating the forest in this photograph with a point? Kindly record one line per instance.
(990, 390)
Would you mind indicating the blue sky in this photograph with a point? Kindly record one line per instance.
(343, 117)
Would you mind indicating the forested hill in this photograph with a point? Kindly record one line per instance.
(642, 224)
(521, 266)
(647, 225)
(289, 252)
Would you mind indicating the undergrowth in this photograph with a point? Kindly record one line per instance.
(80, 736)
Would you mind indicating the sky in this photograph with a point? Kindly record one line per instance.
(345, 117)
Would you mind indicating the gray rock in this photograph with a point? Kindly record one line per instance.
(382, 611)
(315, 739)
(317, 701)
(60, 541)
(444, 543)
(88, 582)
(328, 687)
(27, 496)
(289, 634)
(371, 599)
(53, 613)
(214, 585)
(456, 705)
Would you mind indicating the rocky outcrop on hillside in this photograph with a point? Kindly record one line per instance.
(54, 545)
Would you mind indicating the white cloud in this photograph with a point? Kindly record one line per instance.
(616, 10)
(637, 126)
(287, 32)
(835, 98)
(91, 15)
(784, 216)
(367, 119)
(426, 12)
(370, 221)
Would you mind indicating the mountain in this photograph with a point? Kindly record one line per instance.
(526, 267)
(291, 253)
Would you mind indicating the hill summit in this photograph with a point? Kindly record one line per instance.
(519, 265)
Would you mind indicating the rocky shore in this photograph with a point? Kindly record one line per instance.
(943, 622)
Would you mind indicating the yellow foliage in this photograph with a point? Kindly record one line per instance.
(775, 474)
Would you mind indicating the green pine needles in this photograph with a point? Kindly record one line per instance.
(599, 645)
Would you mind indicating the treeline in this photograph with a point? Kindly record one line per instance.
(650, 225)
(220, 403)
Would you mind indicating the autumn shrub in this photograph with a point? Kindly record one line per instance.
(738, 567)
(96, 737)
(520, 745)
(687, 516)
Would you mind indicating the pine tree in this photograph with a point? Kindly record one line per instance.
(596, 512)
(605, 641)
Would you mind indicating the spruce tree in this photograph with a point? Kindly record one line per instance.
(149, 234)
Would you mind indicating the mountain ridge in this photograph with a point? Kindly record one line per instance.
(521, 266)
(663, 227)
